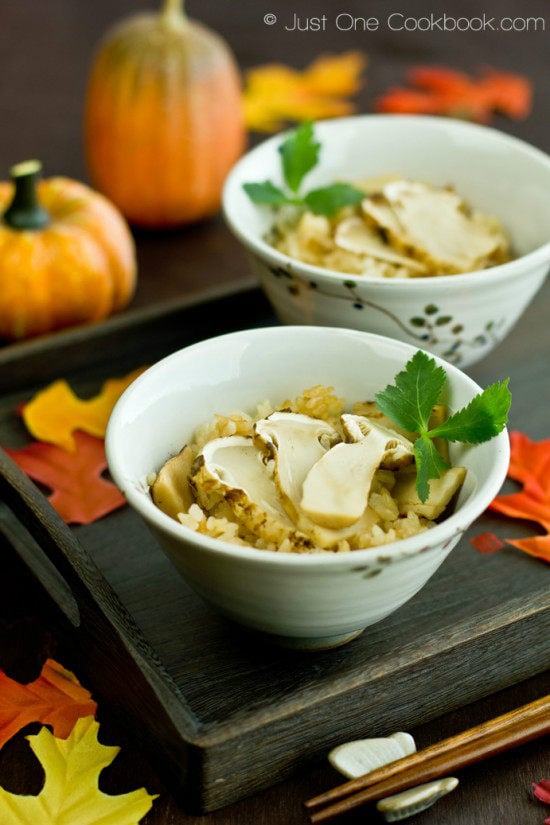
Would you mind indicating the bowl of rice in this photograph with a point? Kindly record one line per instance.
(303, 589)
(446, 251)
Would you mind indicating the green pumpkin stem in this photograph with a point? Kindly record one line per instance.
(24, 211)
(173, 13)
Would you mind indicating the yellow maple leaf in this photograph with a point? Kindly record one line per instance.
(275, 93)
(70, 795)
(56, 412)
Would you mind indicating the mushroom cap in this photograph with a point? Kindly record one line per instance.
(233, 468)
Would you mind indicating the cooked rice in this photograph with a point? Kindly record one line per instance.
(393, 252)
(215, 518)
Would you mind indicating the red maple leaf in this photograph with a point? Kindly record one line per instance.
(439, 90)
(542, 790)
(79, 493)
(530, 465)
(55, 698)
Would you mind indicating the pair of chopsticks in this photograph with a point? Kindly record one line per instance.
(488, 739)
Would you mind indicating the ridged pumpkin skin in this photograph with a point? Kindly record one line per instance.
(163, 119)
(79, 268)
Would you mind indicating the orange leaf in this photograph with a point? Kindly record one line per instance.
(79, 494)
(276, 94)
(56, 412)
(530, 465)
(538, 546)
(444, 91)
(55, 698)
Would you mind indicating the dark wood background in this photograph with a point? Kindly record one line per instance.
(45, 53)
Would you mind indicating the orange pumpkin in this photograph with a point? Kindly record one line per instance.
(66, 254)
(163, 118)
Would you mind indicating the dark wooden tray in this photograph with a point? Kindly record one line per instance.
(224, 712)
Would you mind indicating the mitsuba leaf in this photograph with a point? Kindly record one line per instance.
(429, 464)
(329, 199)
(417, 389)
(484, 417)
(299, 155)
(265, 193)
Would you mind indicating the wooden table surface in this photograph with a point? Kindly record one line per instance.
(45, 52)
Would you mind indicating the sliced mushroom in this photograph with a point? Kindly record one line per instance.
(356, 236)
(295, 442)
(442, 490)
(368, 409)
(170, 490)
(436, 225)
(329, 538)
(233, 468)
(398, 450)
(336, 489)
(378, 211)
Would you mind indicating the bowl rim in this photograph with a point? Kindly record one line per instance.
(506, 270)
(427, 540)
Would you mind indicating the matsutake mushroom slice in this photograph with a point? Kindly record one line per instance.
(295, 442)
(439, 230)
(442, 490)
(170, 491)
(399, 450)
(378, 211)
(354, 235)
(233, 468)
(336, 489)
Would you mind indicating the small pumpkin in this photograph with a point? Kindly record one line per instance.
(164, 118)
(66, 254)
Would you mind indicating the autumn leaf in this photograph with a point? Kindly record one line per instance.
(79, 493)
(70, 793)
(56, 412)
(55, 698)
(439, 90)
(487, 543)
(542, 790)
(530, 465)
(276, 94)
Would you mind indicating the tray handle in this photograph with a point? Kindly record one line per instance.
(120, 651)
(96, 603)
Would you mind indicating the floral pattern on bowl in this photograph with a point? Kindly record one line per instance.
(440, 330)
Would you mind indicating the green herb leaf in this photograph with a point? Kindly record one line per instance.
(484, 417)
(417, 389)
(265, 193)
(330, 199)
(299, 154)
(409, 404)
(429, 464)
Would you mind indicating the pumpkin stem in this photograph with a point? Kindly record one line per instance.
(172, 13)
(24, 211)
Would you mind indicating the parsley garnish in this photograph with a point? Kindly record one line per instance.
(299, 155)
(409, 404)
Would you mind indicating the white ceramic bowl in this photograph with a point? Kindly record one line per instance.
(312, 600)
(459, 317)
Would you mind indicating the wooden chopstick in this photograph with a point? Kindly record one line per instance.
(488, 739)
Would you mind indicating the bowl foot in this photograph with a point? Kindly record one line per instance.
(314, 643)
